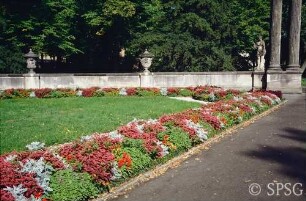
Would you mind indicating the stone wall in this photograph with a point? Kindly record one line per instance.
(237, 80)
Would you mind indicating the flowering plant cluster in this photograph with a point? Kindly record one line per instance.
(207, 93)
(109, 158)
(26, 175)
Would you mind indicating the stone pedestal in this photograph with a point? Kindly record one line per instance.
(294, 35)
(146, 80)
(287, 82)
(31, 81)
(275, 35)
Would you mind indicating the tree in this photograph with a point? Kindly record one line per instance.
(184, 36)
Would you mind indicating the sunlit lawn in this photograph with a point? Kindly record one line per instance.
(61, 120)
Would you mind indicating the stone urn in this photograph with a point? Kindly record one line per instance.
(146, 61)
(31, 61)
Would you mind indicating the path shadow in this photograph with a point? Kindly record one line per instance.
(295, 134)
(292, 159)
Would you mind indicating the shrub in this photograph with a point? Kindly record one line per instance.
(15, 93)
(185, 92)
(142, 92)
(131, 91)
(99, 93)
(111, 91)
(89, 92)
(43, 93)
(148, 92)
(7, 94)
(72, 186)
(277, 93)
(202, 97)
(172, 91)
(57, 94)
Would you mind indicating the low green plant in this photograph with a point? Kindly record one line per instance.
(178, 137)
(140, 161)
(135, 143)
(112, 93)
(185, 92)
(72, 186)
(99, 93)
(142, 92)
(57, 94)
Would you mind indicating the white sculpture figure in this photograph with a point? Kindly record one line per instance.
(261, 52)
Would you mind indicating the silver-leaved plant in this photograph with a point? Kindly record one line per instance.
(41, 170)
(35, 146)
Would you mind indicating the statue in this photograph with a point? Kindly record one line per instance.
(261, 52)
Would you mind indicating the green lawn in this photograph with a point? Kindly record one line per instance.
(61, 120)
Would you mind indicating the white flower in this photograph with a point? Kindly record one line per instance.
(237, 98)
(164, 148)
(32, 94)
(212, 96)
(122, 92)
(253, 110)
(116, 173)
(163, 91)
(200, 132)
(86, 138)
(35, 146)
(10, 158)
(79, 93)
(115, 135)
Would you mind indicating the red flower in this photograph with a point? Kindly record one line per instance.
(37, 195)
(89, 92)
(125, 160)
(131, 91)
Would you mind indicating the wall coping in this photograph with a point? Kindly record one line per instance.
(138, 74)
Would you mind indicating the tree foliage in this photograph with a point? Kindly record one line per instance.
(87, 35)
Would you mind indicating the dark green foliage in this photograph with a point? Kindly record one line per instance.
(87, 36)
(11, 60)
(72, 186)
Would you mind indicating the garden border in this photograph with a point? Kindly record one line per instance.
(127, 186)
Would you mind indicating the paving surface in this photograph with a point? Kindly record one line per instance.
(270, 152)
(189, 99)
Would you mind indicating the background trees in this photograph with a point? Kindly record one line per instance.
(87, 35)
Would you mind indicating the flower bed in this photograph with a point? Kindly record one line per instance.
(93, 164)
(99, 92)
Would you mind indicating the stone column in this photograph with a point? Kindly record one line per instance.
(294, 35)
(275, 34)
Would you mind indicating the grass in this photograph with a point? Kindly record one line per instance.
(55, 121)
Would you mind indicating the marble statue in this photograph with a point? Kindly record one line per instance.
(261, 52)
